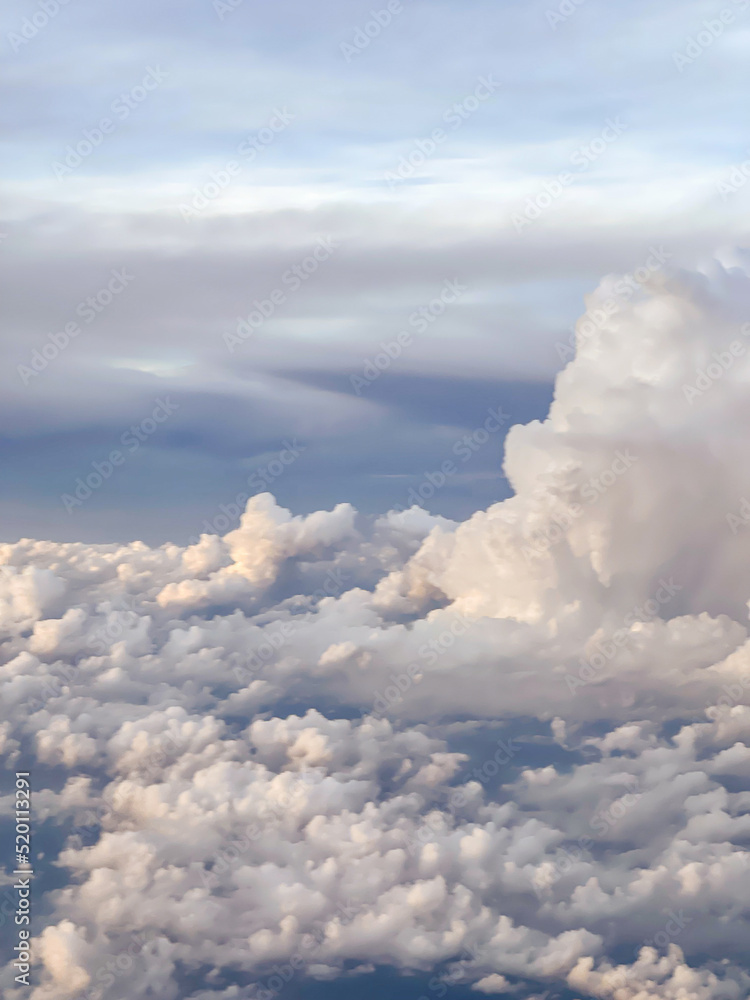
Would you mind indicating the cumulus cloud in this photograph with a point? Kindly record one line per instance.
(509, 752)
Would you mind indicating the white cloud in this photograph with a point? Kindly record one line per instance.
(607, 600)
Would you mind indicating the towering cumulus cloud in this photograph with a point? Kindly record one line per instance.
(509, 754)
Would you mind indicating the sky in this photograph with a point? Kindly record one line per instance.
(521, 94)
(375, 505)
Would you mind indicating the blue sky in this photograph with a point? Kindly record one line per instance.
(182, 87)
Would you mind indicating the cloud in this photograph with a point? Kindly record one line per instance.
(509, 751)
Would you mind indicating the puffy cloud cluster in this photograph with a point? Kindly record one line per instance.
(509, 753)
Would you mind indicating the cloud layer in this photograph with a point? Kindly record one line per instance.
(120, 119)
(508, 752)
